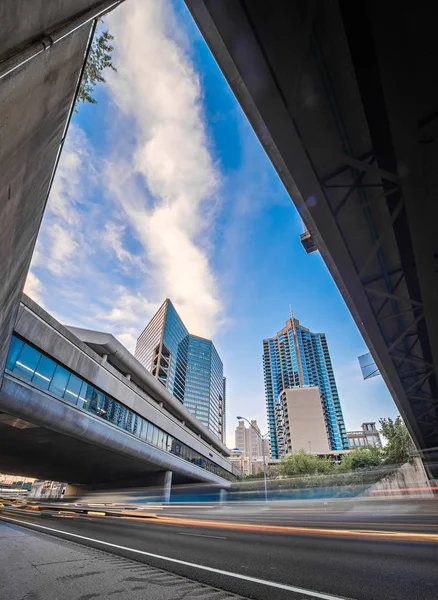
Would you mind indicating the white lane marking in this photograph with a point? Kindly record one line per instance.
(281, 586)
(215, 537)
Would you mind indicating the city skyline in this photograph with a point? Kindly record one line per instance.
(215, 231)
(297, 357)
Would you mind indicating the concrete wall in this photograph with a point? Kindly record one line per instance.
(34, 103)
(409, 480)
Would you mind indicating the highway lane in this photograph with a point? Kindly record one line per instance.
(359, 567)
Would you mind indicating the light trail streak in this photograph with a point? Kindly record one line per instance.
(288, 529)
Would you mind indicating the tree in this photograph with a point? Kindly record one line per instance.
(367, 457)
(303, 463)
(99, 58)
(399, 443)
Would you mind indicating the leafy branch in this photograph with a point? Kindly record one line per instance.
(99, 59)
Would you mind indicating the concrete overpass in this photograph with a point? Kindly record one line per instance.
(78, 407)
(344, 98)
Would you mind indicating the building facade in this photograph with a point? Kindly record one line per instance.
(300, 422)
(187, 365)
(367, 436)
(297, 357)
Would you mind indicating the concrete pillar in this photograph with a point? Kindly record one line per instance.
(167, 486)
(223, 495)
(104, 358)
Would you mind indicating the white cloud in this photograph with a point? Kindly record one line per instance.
(157, 89)
(61, 239)
(127, 316)
(33, 288)
(113, 235)
(127, 223)
(70, 184)
(62, 248)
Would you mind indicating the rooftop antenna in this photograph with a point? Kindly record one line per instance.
(292, 319)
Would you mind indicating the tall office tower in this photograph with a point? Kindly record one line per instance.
(248, 440)
(188, 365)
(297, 357)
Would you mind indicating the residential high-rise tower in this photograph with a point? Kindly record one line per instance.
(297, 357)
(188, 365)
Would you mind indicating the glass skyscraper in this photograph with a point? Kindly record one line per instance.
(188, 365)
(297, 357)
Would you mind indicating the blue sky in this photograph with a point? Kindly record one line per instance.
(162, 191)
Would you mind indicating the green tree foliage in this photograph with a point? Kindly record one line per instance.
(99, 58)
(303, 463)
(399, 443)
(367, 457)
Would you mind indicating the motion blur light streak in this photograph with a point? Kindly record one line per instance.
(403, 535)
(423, 537)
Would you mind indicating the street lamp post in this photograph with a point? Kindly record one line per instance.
(262, 437)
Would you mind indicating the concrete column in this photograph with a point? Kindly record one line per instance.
(167, 486)
(223, 495)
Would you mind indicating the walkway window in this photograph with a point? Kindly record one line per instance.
(44, 373)
(73, 388)
(27, 362)
(14, 351)
(59, 381)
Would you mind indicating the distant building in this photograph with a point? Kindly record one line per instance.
(297, 357)
(247, 465)
(300, 421)
(248, 439)
(249, 448)
(187, 365)
(367, 436)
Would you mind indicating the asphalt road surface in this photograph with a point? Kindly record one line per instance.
(380, 555)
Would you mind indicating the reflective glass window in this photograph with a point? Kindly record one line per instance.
(44, 373)
(137, 425)
(118, 414)
(144, 429)
(176, 447)
(106, 408)
(95, 400)
(14, 351)
(27, 362)
(73, 388)
(59, 381)
(130, 421)
(160, 439)
(155, 436)
(83, 395)
(150, 433)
